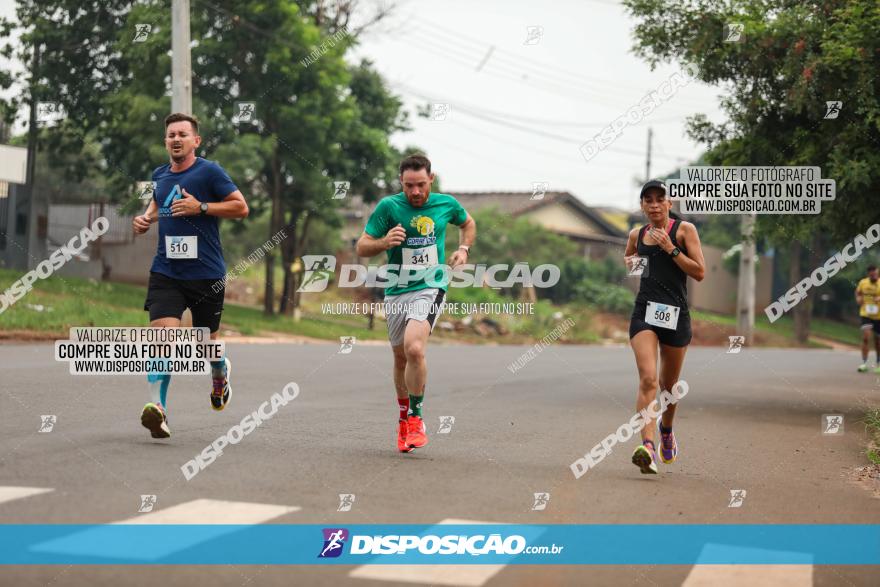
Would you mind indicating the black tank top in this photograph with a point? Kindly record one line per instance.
(663, 281)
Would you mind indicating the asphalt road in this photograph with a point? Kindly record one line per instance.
(750, 421)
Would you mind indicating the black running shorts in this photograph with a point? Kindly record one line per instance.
(168, 298)
(679, 337)
(870, 324)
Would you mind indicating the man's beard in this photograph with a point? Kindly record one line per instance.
(181, 156)
(424, 200)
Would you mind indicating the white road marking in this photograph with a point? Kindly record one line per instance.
(212, 511)
(463, 575)
(99, 542)
(751, 575)
(773, 575)
(8, 493)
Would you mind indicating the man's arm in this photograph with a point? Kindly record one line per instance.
(859, 297)
(369, 246)
(141, 224)
(467, 235)
(232, 206)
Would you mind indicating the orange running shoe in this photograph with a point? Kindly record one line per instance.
(415, 434)
(402, 446)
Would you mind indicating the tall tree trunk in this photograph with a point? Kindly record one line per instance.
(299, 247)
(288, 255)
(292, 249)
(269, 289)
(290, 287)
(801, 312)
(274, 227)
(814, 259)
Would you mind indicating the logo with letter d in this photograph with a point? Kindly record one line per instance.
(334, 542)
(318, 271)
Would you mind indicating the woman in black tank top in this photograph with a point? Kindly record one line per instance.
(666, 282)
(665, 253)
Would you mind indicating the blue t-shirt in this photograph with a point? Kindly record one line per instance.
(200, 257)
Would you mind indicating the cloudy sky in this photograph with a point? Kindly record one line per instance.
(521, 117)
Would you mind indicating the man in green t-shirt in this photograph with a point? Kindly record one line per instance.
(411, 228)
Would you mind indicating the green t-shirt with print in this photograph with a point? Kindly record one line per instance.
(424, 246)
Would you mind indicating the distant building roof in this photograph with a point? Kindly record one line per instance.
(518, 203)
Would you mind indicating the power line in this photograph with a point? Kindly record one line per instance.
(517, 71)
(506, 141)
(545, 86)
(481, 156)
(570, 141)
(465, 109)
(515, 63)
(541, 67)
(515, 60)
(546, 121)
(540, 81)
(531, 148)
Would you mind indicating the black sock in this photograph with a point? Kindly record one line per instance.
(664, 429)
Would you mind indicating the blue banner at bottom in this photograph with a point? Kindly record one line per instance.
(285, 544)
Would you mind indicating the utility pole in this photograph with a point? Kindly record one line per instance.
(29, 260)
(745, 295)
(648, 158)
(181, 65)
(181, 76)
(32, 120)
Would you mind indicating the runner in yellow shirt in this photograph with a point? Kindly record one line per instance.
(868, 298)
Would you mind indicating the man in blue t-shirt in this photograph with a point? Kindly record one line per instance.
(189, 195)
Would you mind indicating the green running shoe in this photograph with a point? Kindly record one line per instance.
(645, 458)
(153, 419)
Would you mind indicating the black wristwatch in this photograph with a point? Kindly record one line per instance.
(204, 208)
(675, 252)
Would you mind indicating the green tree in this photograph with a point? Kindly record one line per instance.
(68, 57)
(793, 56)
(319, 119)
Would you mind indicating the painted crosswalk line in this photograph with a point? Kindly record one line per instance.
(212, 511)
(462, 575)
(9, 493)
(98, 541)
(751, 575)
(795, 575)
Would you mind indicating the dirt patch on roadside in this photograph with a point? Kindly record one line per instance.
(711, 334)
(867, 477)
(611, 327)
